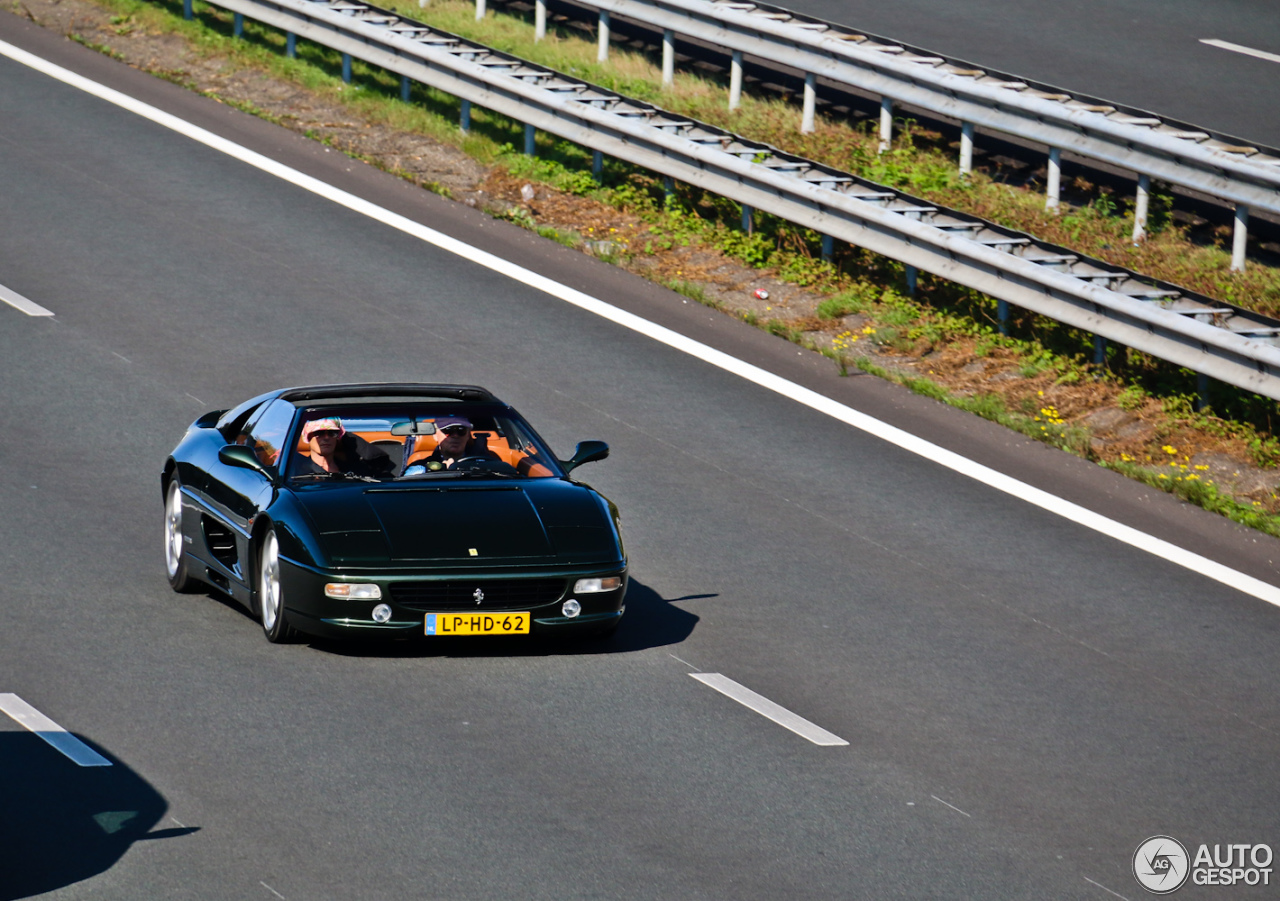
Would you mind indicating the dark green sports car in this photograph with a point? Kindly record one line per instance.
(396, 510)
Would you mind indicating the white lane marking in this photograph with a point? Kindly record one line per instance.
(1105, 889)
(766, 708)
(1239, 48)
(35, 721)
(18, 302)
(271, 890)
(812, 399)
(952, 806)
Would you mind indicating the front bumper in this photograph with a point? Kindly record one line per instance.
(310, 610)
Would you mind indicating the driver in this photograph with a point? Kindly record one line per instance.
(455, 444)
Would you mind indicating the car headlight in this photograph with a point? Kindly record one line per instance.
(594, 586)
(353, 591)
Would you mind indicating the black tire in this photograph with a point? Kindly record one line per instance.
(268, 592)
(175, 554)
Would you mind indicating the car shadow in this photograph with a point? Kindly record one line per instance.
(650, 621)
(61, 823)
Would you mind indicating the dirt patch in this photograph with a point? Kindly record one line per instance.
(1102, 427)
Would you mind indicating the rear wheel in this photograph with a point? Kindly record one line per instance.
(175, 557)
(275, 623)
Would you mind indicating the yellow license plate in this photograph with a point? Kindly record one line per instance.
(477, 624)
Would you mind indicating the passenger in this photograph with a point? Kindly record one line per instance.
(331, 449)
(456, 444)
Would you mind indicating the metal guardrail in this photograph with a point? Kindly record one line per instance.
(1186, 155)
(1218, 340)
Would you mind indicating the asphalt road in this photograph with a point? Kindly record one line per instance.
(1025, 699)
(1142, 53)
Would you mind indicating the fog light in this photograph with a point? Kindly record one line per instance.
(353, 591)
(571, 608)
(592, 586)
(381, 613)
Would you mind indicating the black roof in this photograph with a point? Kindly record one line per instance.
(390, 389)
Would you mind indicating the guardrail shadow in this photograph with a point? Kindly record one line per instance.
(61, 823)
(650, 621)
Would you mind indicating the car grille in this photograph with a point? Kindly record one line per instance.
(499, 594)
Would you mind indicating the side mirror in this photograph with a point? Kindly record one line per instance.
(239, 455)
(587, 452)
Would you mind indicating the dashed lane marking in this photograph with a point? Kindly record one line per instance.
(33, 720)
(952, 806)
(766, 708)
(1240, 48)
(18, 302)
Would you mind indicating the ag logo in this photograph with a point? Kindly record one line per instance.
(478, 596)
(1161, 864)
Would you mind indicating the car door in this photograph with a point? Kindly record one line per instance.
(236, 494)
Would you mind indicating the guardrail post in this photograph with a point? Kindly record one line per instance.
(530, 140)
(1202, 389)
(913, 276)
(1141, 200)
(602, 46)
(810, 104)
(539, 20)
(290, 45)
(346, 68)
(748, 219)
(886, 123)
(1053, 186)
(1240, 238)
(187, 12)
(237, 26)
(668, 58)
(465, 120)
(597, 165)
(966, 148)
(480, 10)
(405, 87)
(1099, 351)
(828, 248)
(668, 187)
(735, 79)
(1002, 316)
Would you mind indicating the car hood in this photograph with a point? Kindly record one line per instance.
(464, 523)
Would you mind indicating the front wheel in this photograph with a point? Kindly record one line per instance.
(275, 623)
(175, 558)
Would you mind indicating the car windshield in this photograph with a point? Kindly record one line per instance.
(414, 442)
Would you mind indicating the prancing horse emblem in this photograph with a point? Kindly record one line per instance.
(478, 595)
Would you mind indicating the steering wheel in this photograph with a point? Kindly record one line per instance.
(457, 464)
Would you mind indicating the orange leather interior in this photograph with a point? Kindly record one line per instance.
(424, 445)
(525, 464)
(372, 438)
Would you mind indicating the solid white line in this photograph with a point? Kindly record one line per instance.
(35, 721)
(952, 806)
(766, 708)
(1238, 48)
(17, 301)
(905, 440)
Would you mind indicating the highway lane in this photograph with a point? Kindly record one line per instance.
(1142, 53)
(1067, 695)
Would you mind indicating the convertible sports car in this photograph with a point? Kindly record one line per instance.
(392, 510)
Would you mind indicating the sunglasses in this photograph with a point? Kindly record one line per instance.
(326, 433)
(454, 430)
